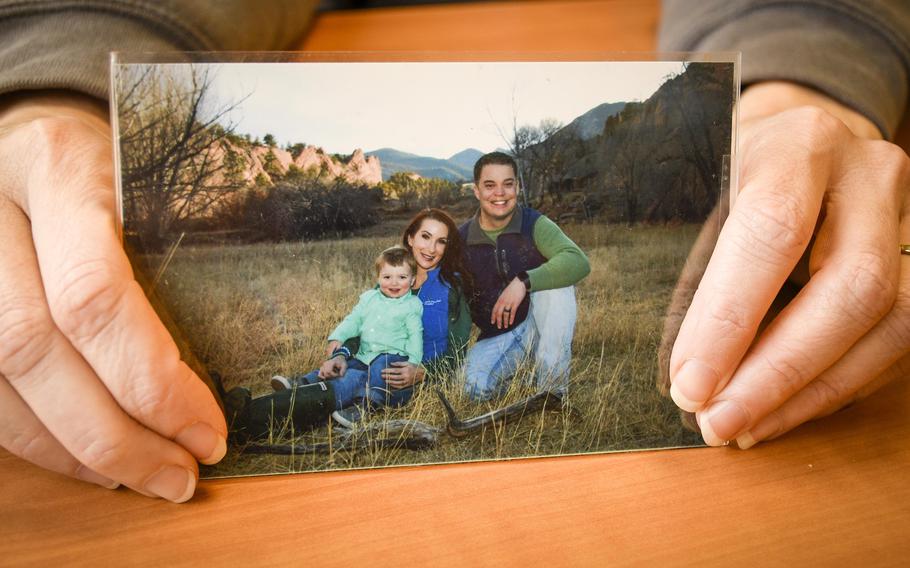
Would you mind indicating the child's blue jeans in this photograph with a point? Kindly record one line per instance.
(361, 383)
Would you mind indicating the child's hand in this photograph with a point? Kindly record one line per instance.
(333, 368)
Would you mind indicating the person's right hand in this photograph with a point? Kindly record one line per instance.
(333, 368)
(91, 383)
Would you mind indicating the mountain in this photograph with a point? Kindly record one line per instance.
(394, 161)
(660, 160)
(591, 123)
(466, 158)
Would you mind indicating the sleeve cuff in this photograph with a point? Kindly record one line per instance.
(66, 45)
(68, 51)
(857, 56)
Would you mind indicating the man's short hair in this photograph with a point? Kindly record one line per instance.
(494, 158)
(396, 256)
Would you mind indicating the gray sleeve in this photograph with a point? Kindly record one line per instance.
(855, 51)
(64, 44)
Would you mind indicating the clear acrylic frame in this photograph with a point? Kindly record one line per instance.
(257, 188)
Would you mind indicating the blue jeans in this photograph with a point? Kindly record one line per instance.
(377, 391)
(555, 313)
(361, 382)
(544, 339)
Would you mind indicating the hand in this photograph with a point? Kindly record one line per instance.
(808, 172)
(91, 384)
(331, 347)
(402, 374)
(507, 304)
(333, 368)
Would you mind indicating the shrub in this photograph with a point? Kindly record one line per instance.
(306, 208)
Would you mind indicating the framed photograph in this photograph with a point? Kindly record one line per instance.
(395, 259)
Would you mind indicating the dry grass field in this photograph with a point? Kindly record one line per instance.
(251, 311)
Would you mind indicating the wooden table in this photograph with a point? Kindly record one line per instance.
(834, 492)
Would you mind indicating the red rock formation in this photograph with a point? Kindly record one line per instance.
(358, 169)
(365, 169)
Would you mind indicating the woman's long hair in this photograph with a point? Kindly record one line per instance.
(451, 269)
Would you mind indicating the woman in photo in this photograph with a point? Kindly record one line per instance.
(441, 284)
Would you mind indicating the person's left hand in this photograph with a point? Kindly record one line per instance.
(504, 310)
(402, 374)
(814, 181)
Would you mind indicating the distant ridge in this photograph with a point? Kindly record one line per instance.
(466, 159)
(460, 166)
(394, 161)
(591, 123)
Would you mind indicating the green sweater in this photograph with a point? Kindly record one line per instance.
(385, 325)
(566, 264)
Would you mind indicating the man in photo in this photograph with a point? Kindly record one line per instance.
(524, 270)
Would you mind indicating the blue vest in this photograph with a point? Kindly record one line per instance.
(494, 265)
(434, 294)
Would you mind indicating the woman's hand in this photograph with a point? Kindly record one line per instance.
(403, 374)
(91, 384)
(507, 304)
(813, 180)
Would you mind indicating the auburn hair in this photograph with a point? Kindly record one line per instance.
(452, 270)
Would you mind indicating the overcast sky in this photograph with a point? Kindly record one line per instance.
(430, 109)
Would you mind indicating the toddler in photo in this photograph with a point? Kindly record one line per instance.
(387, 319)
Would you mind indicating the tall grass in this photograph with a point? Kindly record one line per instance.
(252, 311)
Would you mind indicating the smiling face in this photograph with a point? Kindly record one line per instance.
(497, 191)
(428, 243)
(395, 281)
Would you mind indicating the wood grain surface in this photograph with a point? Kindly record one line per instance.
(611, 25)
(833, 493)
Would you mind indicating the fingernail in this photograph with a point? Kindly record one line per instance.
(746, 441)
(203, 442)
(707, 433)
(693, 385)
(173, 483)
(92, 476)
(721, 422)
(766, 429)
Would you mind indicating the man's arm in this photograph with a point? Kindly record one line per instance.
(566, 263)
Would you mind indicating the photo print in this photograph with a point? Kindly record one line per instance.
(384, 263)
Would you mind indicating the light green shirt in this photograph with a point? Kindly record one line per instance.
(385, 325)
